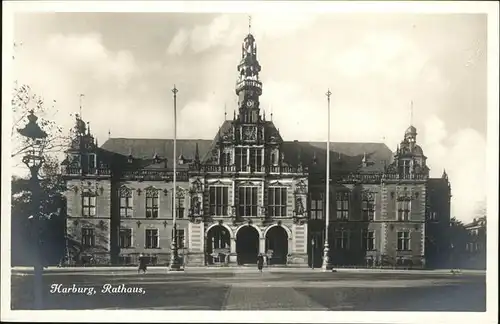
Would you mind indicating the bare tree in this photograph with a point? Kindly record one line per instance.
(24, 101)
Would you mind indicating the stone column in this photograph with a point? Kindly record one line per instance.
(262, 245)
(232, 256)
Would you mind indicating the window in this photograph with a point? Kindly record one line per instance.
(92, 161)
(255, 159)
(342, 239)
(218, 201)
(274, 160)
(277, 201)
(125, 238)
(403, 241)
(247, 201)
(180, 238)
(179, 206)
(88, 237)
(433, 216)
(316, 205)
(225, 158)
(88, 204)
(404, 210)
(343, 205)
(152, 203)
(368, 208)
(125, 202)
(241, 158)
(125, 259)
(404, 168)
(152, 239)
(368, 240)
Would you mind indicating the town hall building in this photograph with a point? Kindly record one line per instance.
(248, 191)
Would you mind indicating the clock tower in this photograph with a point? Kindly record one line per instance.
(248, 85)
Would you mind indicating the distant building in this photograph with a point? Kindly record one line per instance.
(475, 246)
(247, 191)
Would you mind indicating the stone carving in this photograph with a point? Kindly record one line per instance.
(196, 205)
(299, 206)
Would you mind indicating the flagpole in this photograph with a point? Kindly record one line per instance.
(326, 250)
(174, 253)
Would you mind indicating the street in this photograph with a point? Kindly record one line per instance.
(247, 289)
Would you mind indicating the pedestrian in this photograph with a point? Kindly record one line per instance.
(260, 261)
(142, 264)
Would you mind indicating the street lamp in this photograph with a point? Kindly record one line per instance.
(33, 159)
(175, 265)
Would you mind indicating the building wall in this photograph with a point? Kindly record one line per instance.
(101, 222)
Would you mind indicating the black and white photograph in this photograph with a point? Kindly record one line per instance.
(326, 160)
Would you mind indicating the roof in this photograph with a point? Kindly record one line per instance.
(344, 155)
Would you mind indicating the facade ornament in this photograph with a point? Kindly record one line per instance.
(139, 191)
(138, 223)
(165, 224)
(165, 192)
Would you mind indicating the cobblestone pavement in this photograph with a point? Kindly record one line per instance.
(250, 290)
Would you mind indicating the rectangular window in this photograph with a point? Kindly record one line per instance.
(368, 240)
(92, 161)
(88, 204)
(88, 237)
(403, 241)
(255, 159)
(404, 169)
(342, 239)
(126, 203)
(125, 238)
(247, 201)
(180, 238)
(152, 203)
(219, 201)
(316, 207)
(152, 239)
(241, 158)
(277, 198)
(404, 210)
(226, 158)
(368, 209)
(180, 207)
(343, 205)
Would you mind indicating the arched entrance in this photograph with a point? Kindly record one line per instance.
(247, 245)
(277, 245)
(218, 244)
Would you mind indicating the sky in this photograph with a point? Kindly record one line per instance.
(126, 64)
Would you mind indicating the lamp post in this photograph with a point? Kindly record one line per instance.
(175, 265)
(33, 159)
(326, 250)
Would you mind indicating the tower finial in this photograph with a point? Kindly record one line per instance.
(80, 99)
(225, 112)
(109, 133)
(411, 113)
(249, 24)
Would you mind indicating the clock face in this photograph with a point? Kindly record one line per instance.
(250, 103)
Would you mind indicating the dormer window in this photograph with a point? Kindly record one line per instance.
(130, 159)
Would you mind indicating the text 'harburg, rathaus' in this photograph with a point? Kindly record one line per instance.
(248, 191)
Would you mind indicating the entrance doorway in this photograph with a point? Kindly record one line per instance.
(247, 245)
(218, 244)
(277, 245)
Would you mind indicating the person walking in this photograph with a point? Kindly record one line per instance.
(260, 261)
(142, 264)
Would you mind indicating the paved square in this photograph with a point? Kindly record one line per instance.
(249, 290)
